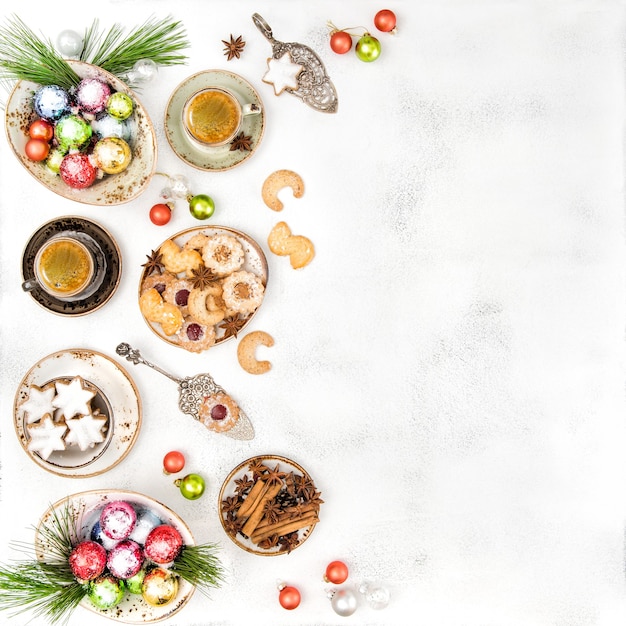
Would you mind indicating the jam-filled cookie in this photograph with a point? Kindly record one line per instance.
(243, 292)
(219, 412)
(196, 337)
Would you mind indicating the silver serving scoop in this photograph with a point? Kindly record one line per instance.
(314, 86)
(194, 391)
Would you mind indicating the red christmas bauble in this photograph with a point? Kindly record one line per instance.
(336, 572)
(88, 560)
(37, 149)
(289, 598)
(163, 544)
(385, 20)
(173, 462)
(160, 214)
(340, 41)
(77, 171)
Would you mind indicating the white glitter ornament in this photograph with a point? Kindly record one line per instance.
(144, 71)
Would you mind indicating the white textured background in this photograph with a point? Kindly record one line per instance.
(450, 368)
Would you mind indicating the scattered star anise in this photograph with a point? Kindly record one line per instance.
(289, 542)
(154, 263)
(234, 47)
(232, 525)
(232, 325)
(274, 477)
(244, 484)
(241, 142)
(202, 277)
(257, 468)
(230, 504)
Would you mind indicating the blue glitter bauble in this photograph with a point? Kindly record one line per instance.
(51, 102)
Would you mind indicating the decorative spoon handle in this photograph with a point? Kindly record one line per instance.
(134, 356)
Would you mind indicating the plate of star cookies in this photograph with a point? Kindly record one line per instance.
(202, 286)
(77, 413)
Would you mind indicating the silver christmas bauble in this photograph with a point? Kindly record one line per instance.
(344, 602)
(70, 43)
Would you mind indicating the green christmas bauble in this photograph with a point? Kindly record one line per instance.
(134, 583)
(119, 105)
(72, 132)
(106, 591)
(367, 48)
(201, 206)
(191, 486)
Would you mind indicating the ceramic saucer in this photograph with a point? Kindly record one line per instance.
(207, 158)
(118, 391)
(110, 272)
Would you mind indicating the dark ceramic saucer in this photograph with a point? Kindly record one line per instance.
(109, 274)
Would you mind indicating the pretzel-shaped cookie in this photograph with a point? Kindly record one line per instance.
(277, 181)
(300, 249)
(177, 259)
(247, 348)
(154, 309)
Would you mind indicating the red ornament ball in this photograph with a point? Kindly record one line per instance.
(125, 559)
(41, 129)
(117, 520)
(385, 20)
(88, 560)
(336, 572)
(37, 149)
(289, 598)
(163, 544)
(340, 41)
(173, 462)
(77, 170)
(160, 214)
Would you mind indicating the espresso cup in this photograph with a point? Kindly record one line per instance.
(213, 116)
(64, 267)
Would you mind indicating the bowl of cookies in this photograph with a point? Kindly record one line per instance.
(77, 413)
(202, 286)
(93, 143)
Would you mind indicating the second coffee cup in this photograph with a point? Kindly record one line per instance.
(213, 116)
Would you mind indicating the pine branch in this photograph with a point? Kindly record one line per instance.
(199, 566)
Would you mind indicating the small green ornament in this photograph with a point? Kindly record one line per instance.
(367, 48)
(201, 206)
(135, 583)
(120, 105)
(72, 132)
(106, 591)
(53, 162)
(191, 486)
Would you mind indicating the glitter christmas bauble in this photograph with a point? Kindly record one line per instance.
(146, 521)
(106, 591)
(92, 95)
(112, 155)
(163, 544)
(125, 559)
(97, 535)
(159, 587)
(88, 560)
(120, 105)
(135, 583)
(53, 162)
(117, 519)
(51, 102)
(104, 125)
(72, 132)
(78, 172)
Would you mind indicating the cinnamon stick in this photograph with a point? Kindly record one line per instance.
(284, 527)
(252, 498)
(257, 513)
(303, 509)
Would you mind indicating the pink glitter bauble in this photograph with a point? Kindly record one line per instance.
(117, 519)
(163, 544)
(88, 560)
(125, 559)
(77, 171)
(92, 95)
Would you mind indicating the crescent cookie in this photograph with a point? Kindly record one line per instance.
(300, 249)
(246, 352)
(177, 260)
(155, 310)
(243, 292)
(277, 181)
(223, 254)
(203, 306)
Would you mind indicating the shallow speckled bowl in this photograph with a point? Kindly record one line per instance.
(84, 510)
(110, 189)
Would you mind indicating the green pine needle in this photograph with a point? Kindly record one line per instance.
(199, 566)
(26, 56)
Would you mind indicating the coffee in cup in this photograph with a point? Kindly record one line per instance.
(213, 116)
(64, 267)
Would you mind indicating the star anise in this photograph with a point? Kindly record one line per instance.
(234, 47)
(232, 325)
(270, 542)
(232, 525)
(316, 499)
(272, 511)
(257, 468)
(305, 487)
(289, 542)
(244, 484)
(202, 277)
(230, 504)
(154, 263)
(241, 142)
(274, 477)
